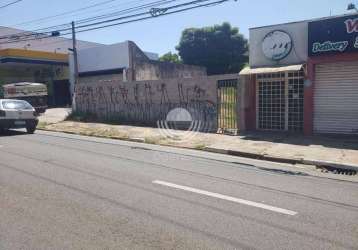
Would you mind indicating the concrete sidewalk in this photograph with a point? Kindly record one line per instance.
(339, 152)
(324, 151)
(55, 115)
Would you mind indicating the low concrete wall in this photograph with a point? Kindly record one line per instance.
(100, 79)
(146, 102)
(155, 70)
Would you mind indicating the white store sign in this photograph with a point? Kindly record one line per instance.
(279, 45)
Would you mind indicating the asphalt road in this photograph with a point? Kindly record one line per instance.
(69, 192)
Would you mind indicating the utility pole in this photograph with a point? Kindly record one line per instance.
(75, 63)
(74, 50)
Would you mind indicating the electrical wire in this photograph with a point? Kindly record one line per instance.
(131, 16)
(64, 42)
(150, 17)
(64, 13)
(63, 39)
(142, 13)
(126, 11)
(9, 4)
(61, 27)
(163, 12)
(82, 14)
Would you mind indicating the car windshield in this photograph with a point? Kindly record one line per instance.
(15, 104)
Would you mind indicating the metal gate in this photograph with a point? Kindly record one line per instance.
(271, 102)
(336, 98)
(228, 106)
(280, 101)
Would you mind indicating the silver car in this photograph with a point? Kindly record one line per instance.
(17, 114)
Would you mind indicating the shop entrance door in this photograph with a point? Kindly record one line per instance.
(279, 101)
(271, 102)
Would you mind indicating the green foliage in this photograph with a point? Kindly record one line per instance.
(170, 57)
(220, 48)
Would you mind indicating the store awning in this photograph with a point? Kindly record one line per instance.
(250, 71)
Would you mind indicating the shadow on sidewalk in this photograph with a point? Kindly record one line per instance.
(329, 141)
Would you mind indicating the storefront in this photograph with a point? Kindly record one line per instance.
(20, 65)
(331, 95)
(274, 82)
(303, 77)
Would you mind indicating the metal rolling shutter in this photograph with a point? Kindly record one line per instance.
(336, 98)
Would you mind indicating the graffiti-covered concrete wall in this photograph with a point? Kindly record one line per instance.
(146, 102)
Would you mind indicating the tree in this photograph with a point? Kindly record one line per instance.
(170, 57)
(220, 48)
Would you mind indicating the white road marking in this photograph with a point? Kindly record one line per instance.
(228, 198)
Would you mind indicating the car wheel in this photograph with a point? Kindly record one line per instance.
(31, 130)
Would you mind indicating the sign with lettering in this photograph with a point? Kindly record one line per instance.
(333, 35)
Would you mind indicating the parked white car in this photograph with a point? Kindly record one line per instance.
(17, 114)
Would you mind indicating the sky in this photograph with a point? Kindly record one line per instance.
(161, 35)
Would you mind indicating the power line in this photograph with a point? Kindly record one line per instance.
(61, 27)
(150, 17)
(153, 13)
(83, 13)
(63, 40)
(64, 27)
(131, 16)
(125, 11)
(64, 16)
(64, 13)
(8, 4)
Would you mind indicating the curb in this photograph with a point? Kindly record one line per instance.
(283, 160)
(331, 164)
(243, 154)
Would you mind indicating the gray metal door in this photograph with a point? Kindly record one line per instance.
(336, 98)
(228, 118)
